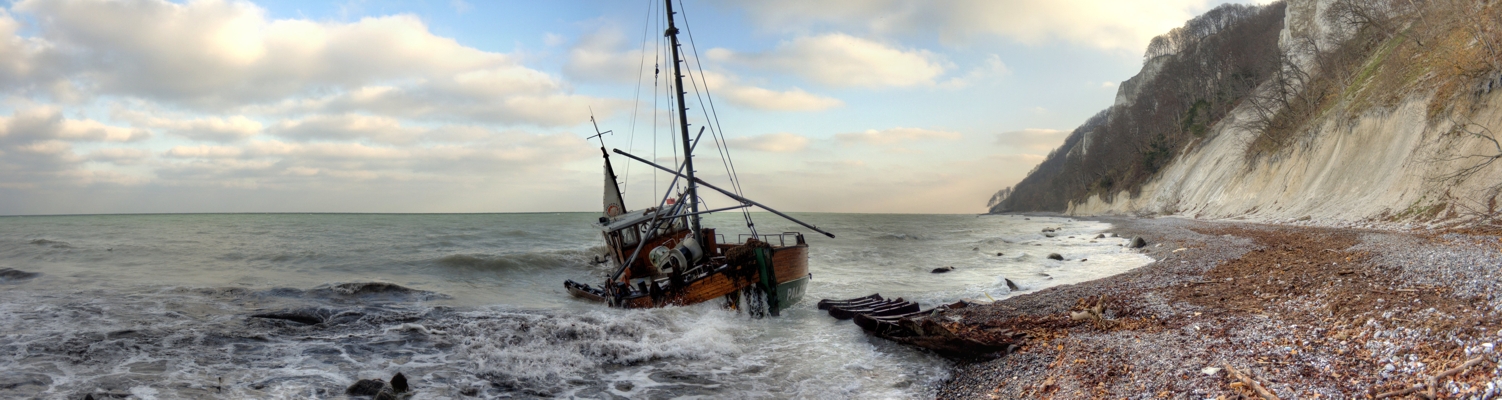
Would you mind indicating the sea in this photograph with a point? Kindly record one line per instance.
(176, 306)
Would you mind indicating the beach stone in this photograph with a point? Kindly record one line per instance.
(385, 394)
(470, 391)
(13, 275)
(1115, 235)
(366, 387)
(999, 254)
(1100, 236)
(624, 386)
(1138, 242)
(1050, 234)
(399, 383)
(1055, 256)
(941, 270)
(1011, 285)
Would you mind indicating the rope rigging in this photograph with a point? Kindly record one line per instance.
(636, 105)
(698, 82)
(717, 131)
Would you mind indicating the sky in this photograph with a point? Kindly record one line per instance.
(868, 106)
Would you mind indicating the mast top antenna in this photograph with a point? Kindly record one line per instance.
(597, 134)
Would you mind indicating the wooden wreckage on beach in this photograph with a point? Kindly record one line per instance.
(904, 322)
(664, 257)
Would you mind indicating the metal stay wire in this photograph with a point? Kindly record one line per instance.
(718, 132)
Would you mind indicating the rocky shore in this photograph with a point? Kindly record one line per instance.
(1237, 310)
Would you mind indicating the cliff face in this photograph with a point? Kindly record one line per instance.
(1392, 119)
(1383, 165)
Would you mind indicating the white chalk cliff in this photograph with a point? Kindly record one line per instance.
(1377, 164)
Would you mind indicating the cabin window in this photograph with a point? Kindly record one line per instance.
(629, 236)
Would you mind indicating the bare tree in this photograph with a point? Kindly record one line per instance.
(1465, 127)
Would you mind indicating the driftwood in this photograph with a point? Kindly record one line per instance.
(1433, 381)
(1247, 380)
(1095, 314)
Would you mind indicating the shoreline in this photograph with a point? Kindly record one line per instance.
(1301, 311)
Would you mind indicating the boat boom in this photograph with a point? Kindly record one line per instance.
(737, 197)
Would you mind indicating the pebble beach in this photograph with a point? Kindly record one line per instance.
(1241, 310)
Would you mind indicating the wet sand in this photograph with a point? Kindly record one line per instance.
(1299, 312)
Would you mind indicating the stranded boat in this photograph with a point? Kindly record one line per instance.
(664, 257)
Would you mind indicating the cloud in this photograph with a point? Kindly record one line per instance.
(1104, 24)
(844, 181)
(990, 69)
(841, 60)
(479, 98)
(20, 60)
(1035, 140)
(213, 129)
(119, 156)
(894, 136)
(795, 99)
(346, 127)
(214, 51)
(221, 56)
(376, 129)
(279, 164)
(781, 142)
(605, 56)
(47, 124)
(203, 152)
(36, 148)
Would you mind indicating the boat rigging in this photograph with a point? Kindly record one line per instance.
(664, 256)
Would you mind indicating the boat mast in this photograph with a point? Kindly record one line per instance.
(688, 156)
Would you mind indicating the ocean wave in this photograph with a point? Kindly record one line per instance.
(8, 275)
(901, 236)
(56, 244)
(366, 291)
(518, 261)
(362, 292)
(550, 355)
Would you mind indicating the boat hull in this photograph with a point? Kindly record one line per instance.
(789, 266)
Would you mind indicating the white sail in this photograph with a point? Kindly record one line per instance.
(614, 206)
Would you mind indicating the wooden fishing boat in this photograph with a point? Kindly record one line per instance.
(664, 257)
